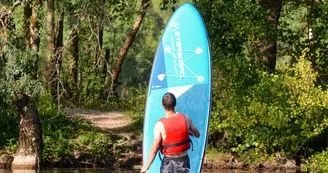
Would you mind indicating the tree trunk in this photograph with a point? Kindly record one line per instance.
(51, 44)
(29, 151)
(35, 39)
(105, 70)
(27, 15)
(59, 41)
(75, 54)
(125, 48)
(268, 47)
(58, 55)
(74, 49)
(55, 44)
(106, 65)
(100, 33)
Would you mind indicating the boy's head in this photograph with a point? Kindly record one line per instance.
(169, 101)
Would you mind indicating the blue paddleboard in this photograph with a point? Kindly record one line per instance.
(182, 66)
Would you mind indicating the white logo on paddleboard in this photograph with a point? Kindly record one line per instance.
(178, 60)
(176, 49)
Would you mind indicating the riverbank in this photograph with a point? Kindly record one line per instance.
(118, 124)
(127, 149)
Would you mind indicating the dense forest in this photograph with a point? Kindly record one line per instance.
(270, 75)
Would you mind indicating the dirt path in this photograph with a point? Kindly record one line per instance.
(115, 123)
(105, 120)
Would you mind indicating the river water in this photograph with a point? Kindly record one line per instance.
(104, 170)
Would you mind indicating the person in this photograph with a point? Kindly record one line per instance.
(171, 137)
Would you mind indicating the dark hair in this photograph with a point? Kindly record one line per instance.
(169, 101)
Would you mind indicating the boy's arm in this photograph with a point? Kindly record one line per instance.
(192, 128)
(154, 148)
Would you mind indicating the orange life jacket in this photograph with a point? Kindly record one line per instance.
(177, 135)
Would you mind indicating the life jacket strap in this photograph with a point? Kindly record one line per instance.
(174, 145)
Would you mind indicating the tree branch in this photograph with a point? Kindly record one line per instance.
(307, 1)
(11, 9)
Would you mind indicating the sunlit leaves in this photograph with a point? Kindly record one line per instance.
(278, 111)
(317, 162)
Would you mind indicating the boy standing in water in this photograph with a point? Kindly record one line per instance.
(171, 137)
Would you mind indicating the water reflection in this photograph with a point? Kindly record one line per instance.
(103, 170)
(70, 170)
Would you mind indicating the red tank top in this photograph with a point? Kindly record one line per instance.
(177, 135)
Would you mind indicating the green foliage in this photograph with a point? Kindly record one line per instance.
(4, 97)
(9, 124)
(233, 26)
(91, 93)
(46, 106)
(12, 145)
(60, 133)
(72, 139)
(254, 156)
(135, 107)
(318, 18)
(20, 72)
(95, 145)
(318, 162)
(297, 22)
(277, 113)
(137, 100)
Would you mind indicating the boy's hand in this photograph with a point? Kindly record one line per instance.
(143, 169)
